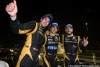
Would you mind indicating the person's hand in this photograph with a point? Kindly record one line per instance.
(11, 8)
(47, 32)
(85, 41)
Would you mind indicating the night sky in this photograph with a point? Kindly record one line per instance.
(64, 11)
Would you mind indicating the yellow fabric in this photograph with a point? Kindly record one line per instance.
(45, 60)
(70, 35)
(64, 49)
(26, 48)
(51, 34)
(23, 31)
(79, 50)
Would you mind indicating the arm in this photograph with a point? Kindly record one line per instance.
(16, 26)
(20, 28)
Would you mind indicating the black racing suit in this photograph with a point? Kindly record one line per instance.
(51, 46)
(72, 46)
(28, 54)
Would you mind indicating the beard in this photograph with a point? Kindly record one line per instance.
(69, 33)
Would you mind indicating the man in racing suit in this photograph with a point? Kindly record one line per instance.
(34, 30)
(51, 45)
(72, 45)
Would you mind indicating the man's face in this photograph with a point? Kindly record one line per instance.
(53, 29)
(69, 30)
(45, 22)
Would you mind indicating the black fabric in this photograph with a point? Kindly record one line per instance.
(69, 63)
(16, 25)
(71, 49)
(37, 40)
(51, 59)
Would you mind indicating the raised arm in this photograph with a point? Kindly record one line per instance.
(16, 26)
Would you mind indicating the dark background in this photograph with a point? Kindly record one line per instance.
(76, 12)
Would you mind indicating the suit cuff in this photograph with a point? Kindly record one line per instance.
(13, 18)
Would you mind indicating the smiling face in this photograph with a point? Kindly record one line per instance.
(69, 30)
(45, 21)
(54, 29)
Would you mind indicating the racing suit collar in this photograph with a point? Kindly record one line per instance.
(53, 34)
(70, 35)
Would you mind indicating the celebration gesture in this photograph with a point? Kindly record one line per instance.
(85, 41)
(11, 8)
